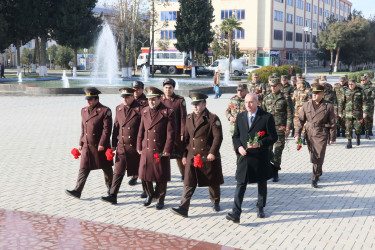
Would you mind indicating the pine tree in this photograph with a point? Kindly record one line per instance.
(193, 27)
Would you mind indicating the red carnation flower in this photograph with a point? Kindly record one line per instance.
(361, 121)
(75, 152)
(198, 163)
(256, 92)
(261, 133)
(109, 153)
(156, 156)
(282, 128)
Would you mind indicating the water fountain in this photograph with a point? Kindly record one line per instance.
(106, 59)
(65, 80)
(20, 78)
(226, 77)
(145, 73)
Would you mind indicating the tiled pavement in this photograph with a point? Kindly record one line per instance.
(37, 134)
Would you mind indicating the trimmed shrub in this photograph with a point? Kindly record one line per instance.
(266, 71)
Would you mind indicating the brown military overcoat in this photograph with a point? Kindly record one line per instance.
(96, 130)
(178, 104)
(124, 138)
(155, 136)
(319, 124)
(203, 138)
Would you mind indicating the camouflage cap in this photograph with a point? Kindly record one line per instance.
(284, 77)
(299, 81)
(275, 81)
(342, 78)
(366, 75)
(298, 75)
(322, 81)
(303, 76)
(255, 74)
(324, 78)
(363, 78)
(293, 78)
(352, 81)
(346, 76)
(315, 80)
(241, 86)
(275, 74)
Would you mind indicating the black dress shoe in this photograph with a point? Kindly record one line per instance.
(232, 217)
(358, 140)
(73, 193)
(143, 195)
(180, 211)
(147, 201)
(314, 184)
(216, 207)
(260, 213)
(133, 181)
(111, 199)
(159, 205)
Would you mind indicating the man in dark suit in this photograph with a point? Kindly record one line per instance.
(96, 130)
(253, 160)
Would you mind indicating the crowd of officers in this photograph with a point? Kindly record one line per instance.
(353, 106)
(149, 130)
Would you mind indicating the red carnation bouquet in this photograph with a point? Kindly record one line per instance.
(282, 128)
(109, 153)
(256, 138)
(75, 152)
(198, 161)
(299, 144)
(158, 156)
(361, 121)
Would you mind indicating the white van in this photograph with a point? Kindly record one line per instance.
(168, 62)
(238, 66)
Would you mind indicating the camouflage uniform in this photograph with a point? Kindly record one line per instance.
(236, 105)
(300, 96)
(340, 92)
(353, 105)
(287, 89)
(280, 106)
(258, 88)
(369, 91)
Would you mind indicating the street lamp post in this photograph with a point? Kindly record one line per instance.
(306, 31)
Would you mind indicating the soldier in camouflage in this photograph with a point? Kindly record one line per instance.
(354, 106)
(236, 105)
(280, 106)
(369, 91)
(257, 87)
(329, 94)
(368, 82)
(293, 81)
(339, 89)
(286, 87)
(307, 84)
(300, 96)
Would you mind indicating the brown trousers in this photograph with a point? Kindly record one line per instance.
(317, 171)
(181, 166)
(84, 173)
(189, 191)
(116, 183)
(158, 193)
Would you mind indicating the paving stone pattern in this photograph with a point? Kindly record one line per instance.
(38, 133)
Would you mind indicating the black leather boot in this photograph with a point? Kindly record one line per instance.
(363, 131)
(366, 135)
(111, 199)
(358, 140)
(180, 211)
(275, 176)
(349, 144)
(303, 140)
(338, 132)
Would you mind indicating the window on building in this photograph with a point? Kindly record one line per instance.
(278, 35)
(320, 25)
(308, 7)
(314, 24)
(239, 14)
(280, 1)
(298, 37)
(290, 2)
(337, 4)
(307, 38)
(326, 13)
(300, 4)
(289, 18)
(239, 34)
(278, 16)
(320, 12)
(167, 34)
(168, 15)
(315, 9)
(299, 20)
(346, 8)
(341, 6)
(327, 1)
(307, 22)
(333, 3)
(289, 36)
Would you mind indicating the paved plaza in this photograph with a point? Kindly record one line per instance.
(38, 133)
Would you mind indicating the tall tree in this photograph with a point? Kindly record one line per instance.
(193, 27)
(228, 27)
(3, 28)
(76, 26)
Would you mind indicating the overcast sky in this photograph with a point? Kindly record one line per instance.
(366, 6)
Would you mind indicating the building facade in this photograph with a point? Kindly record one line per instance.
(274, 31)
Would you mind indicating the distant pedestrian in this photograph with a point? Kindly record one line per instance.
(2, 68)
(330, 68)
(217, 84)
(292, 71)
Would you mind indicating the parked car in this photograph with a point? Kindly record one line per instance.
(250, 68)
(202, 70)
(237, 66)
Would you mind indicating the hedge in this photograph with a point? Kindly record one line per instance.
(357, 75)
(266, 71)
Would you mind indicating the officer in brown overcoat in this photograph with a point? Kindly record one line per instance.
(319, 117)
(178, 104)
(139, 97)
(96, 130)
(155, 141)
(203, 136)
(124, 141)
